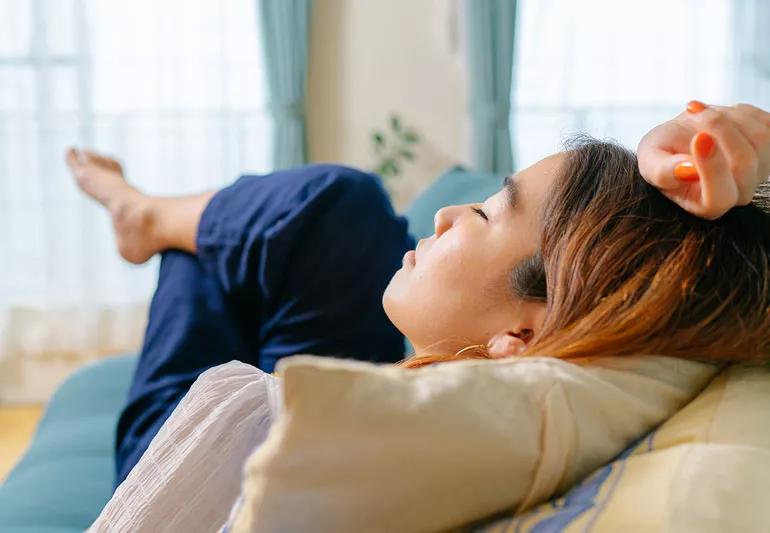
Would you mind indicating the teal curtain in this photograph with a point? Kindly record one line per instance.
(491, 26)
(285, 37)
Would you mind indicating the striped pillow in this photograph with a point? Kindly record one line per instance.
(705, 469)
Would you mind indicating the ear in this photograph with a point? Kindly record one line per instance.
(515, 338)
(508, 343)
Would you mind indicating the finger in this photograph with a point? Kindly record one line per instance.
(670, 171)
(747, 109)
(718, 190)
(758, 135)
(754, 124)
(755, 131)
(757, 128)
(661, 151)
(741, 155)
(758, 114)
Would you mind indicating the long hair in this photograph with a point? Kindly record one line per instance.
(623, 270)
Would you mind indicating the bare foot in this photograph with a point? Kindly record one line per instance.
(133, 215)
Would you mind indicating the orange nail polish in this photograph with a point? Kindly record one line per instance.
(686, 171)
(704, 144)
(695, 106)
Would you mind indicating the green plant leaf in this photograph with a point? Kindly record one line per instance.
(411, 136)
(378, 138)
(381, 169)
(395, 123)
(390, 167)
(384, 168)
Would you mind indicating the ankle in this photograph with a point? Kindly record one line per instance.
(135, 213)
(131, 206)
(137, 227)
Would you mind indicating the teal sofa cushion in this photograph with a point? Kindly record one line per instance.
(65, 478)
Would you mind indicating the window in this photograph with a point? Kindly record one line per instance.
(174, 89)
(613, 69)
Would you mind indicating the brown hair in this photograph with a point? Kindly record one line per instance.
(623, 270)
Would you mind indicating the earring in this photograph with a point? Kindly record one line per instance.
(484, 346)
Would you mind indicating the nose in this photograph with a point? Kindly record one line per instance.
(445, 219)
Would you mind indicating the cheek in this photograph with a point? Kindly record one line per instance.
(448, 294)
(452, 273)
(443, 276)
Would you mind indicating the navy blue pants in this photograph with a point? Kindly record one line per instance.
(287, 263)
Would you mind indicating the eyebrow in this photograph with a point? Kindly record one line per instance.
(511, 187)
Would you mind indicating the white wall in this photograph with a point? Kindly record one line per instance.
(370, 58)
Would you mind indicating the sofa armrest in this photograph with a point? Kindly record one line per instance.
(65, 477)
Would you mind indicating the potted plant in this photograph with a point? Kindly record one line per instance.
(394, 148)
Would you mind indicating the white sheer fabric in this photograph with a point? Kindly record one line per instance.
(750, 81)
(190, 476)
(615, 69)
(173, 88)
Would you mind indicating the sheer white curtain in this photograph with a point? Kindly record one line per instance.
(175, 90)
(615, 69)
(751, 51)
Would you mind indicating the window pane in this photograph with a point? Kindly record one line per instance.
(242, 54)
(15, 28)
(17, 89)
(578, 54)
(210, 61)
(60, 24)
(63, 88)
(612, 69)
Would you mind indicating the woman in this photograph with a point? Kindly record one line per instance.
(566, 260)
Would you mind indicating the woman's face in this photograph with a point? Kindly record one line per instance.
(453, 290)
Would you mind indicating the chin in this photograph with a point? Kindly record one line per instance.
(387, 302)
(393, 304)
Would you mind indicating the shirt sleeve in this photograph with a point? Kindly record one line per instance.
(188, 478)
(366, 448)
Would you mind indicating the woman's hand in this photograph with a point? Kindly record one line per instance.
(708, 159)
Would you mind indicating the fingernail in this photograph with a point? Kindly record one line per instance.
(686, 171)
(695, 106)
(704, 144)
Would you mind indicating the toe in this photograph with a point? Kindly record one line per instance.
(87, 156)
(72, 157)
(103, 161)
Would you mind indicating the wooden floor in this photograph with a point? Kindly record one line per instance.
(17, 425)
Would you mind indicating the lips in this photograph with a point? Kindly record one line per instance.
(409, 258)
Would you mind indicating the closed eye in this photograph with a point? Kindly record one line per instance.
(480, 213)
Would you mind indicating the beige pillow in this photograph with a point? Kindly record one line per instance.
(361, 447)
